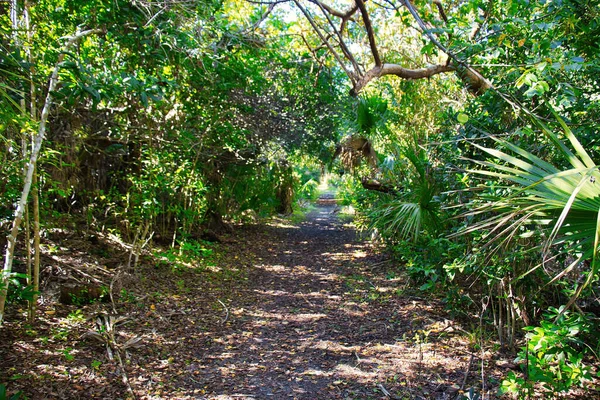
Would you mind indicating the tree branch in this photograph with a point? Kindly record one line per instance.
(325, 41)
(374, 184)
(345, 50)
(348, 17)
(262, 18)
(367, 21)
(477, 84)
(334, 12)
(399, 71)
(440, 8)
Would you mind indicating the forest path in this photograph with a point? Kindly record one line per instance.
(317, 316)
(281, 310)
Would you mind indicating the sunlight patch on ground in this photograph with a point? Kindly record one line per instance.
(321, 295)
(306, 317)
(325, 277)
(272, 292)
(335, 346)
(338, 256)
(300, 270)
(355, 373)
(282, 224)
(359, 254)
(316, 372)
(273, 268)
(353, 313)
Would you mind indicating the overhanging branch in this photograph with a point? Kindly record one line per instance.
(367, 21)
(326, 11)
(399, 71)
(325, 41)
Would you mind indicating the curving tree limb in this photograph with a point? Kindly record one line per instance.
(359, 77)
(399, 71)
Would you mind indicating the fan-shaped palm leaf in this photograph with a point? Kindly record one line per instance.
(562, 204)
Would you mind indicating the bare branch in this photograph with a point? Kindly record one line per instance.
(331, 10)
(401, 72)
(440, 8)
(367, 21)
(348, 17)
(267, 2)
(477, 83)
(262, 18)
(325, 41)
(343, 46)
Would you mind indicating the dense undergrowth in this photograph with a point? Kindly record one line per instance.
(170, 125)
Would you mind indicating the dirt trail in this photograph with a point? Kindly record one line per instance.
(321, 319)
(282, 311)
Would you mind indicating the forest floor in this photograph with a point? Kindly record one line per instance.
(281, 310)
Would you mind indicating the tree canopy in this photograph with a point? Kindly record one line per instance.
(463, 133)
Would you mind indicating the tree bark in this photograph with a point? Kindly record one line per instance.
(374, 184)
(473, 80)
(399, 71)
(285, 192)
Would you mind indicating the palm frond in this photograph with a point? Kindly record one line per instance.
(562, 205)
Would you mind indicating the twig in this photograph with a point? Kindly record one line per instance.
(464, 382)
(370, 33)
(386, 393)
(372, 284)
(124, 377)
(110, 290)
(93, 278)
(226, 310)
(155, 15)
(306, 300)
(484, 307)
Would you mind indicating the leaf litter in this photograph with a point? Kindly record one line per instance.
(279, 311)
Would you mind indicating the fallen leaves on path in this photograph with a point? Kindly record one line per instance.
(306, 311)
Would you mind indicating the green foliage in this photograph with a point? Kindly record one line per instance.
(4, 395)
(76, 317)
(128, 296)
(95, 364)
(562, 202)
(371, 113)
(416, 208)
(309, 190)
(424, 261)
(19, 291)
(555, 354)
(188, 254)
(86, 295)
(67, 354)
(168, 191)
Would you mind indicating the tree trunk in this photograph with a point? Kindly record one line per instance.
(285, 192)
(35, 151)
(36, 248)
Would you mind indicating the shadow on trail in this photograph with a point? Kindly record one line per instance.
(279, 311)
(317, 319)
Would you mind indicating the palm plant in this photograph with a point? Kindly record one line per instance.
(560, 204)
(405, 216)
